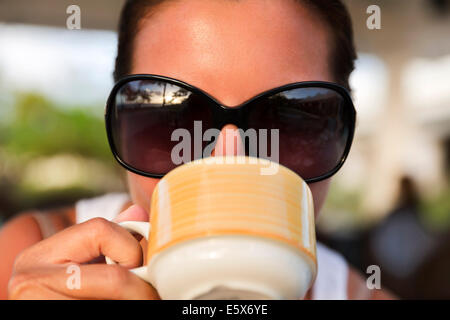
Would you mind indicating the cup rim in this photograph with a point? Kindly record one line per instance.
(248, 160)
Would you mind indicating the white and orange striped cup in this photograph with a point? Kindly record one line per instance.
(222, 230)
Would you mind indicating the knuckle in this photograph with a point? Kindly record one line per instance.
(19, 283)
(21, 260)
(100, 226)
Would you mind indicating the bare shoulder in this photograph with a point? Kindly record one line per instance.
(358, 289)
(20, 228)
(16, 235)
(23, 231)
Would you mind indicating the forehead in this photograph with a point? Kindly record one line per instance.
(233, 49)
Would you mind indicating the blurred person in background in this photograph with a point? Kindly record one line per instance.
(266, 44)
(411, 256)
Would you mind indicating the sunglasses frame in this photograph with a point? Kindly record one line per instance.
(228, 112)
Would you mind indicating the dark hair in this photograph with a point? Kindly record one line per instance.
(333, 12)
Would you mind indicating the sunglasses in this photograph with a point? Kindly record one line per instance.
(314, 121)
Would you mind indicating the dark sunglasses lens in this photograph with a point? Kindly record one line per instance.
(314, 126)
(144, 117)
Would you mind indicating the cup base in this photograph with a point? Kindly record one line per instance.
(225, 293)
(232, 267)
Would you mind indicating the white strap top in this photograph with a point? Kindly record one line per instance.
(45, 224)
(107, 206)
(332, 276)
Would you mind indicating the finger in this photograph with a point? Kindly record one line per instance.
(83, 242)
(93, 282)
(111, 282)
(133, 213)
(26, 286)
(38, 293)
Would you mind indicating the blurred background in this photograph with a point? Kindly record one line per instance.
(389, 205)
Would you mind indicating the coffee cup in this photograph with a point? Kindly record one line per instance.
(220, 229)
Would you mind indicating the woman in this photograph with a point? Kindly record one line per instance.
(233, 50)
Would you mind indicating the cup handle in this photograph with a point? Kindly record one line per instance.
(142, 228)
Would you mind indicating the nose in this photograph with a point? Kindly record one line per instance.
(229, 142)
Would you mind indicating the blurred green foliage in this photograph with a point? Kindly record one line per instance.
(35, 127)
(343, 210)
(345, 200)
(38, 128)
(437, 210)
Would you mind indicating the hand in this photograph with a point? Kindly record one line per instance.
(40, 271)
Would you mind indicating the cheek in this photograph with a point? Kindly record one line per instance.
(141, 189)
(319, 191)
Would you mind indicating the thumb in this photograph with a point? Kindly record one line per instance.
(133, 213)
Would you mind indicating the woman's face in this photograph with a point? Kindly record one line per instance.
(234, 51)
